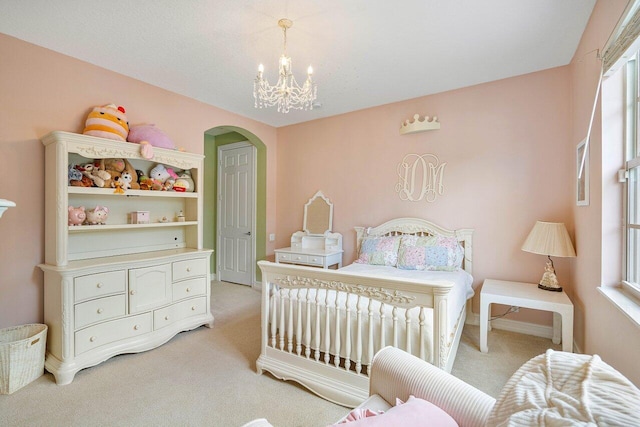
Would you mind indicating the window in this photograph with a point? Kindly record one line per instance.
(621, 64)
(631, 206)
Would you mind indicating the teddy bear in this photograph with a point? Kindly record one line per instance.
(115, 167)
(108, 121)
(149, 136)
(95, 175)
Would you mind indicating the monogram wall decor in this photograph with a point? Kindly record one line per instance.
(421, 177)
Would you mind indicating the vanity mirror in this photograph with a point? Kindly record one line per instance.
(318, 215)
(316, 245)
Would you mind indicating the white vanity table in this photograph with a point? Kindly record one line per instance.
(316, 245)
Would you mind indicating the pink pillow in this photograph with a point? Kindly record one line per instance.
(415, 412)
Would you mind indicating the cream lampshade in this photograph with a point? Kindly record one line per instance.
(4, 205)
(550, 239)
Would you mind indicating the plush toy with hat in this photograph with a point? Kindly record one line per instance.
(149, 136)
(184, 183)
(108, 121)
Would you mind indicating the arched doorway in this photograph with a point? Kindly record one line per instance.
(213, 139)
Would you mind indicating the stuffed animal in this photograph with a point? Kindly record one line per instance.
(126, 179)
(97, 215)
(115, 167)
(77, 215)
(98, 177)
(163, 175)
(149, 136)
(108, 121)
(75, 177)
(184, 182)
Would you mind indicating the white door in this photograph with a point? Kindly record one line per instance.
(236, 213)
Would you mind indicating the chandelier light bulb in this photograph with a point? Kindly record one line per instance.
(286, 93)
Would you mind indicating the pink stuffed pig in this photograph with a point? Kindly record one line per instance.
(97, 215)
(76, 215)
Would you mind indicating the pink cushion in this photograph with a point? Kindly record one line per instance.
(415, 412)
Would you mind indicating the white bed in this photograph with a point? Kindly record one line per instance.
(321, 327)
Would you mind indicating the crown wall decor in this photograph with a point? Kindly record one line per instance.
(418, 125)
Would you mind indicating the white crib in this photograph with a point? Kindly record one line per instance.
(322, 327)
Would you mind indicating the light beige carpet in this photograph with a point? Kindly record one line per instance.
(206, 377)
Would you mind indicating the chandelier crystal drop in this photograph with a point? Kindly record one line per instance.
(286, 93)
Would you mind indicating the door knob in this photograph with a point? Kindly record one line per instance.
(248, 233)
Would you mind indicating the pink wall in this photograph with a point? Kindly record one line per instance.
(43, 91)
(600, 328)
(504, 170)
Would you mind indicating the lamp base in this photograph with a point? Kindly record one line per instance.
(548, 288)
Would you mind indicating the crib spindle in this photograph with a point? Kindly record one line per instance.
(347, 338)
(407, 330)
(281, 312)
(394, 317)
(370, 331)
(421, 317)
(274, 319)
(316, 352)
(336, 335)
(299, 323)
(358, 337)
(307, 329)
(383, 337)
(290, 323)
(327, 329)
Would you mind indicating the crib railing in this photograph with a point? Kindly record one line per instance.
(322, 327)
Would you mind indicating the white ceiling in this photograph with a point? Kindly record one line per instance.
(364, 52)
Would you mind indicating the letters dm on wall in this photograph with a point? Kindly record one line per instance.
(421, 176)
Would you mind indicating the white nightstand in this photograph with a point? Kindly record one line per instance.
(527, 295)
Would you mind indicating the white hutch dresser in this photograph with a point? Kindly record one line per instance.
(120, 287)
(316, 245)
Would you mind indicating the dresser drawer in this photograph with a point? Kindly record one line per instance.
(187, 269)
(115, 330)
(178, 311)
(189, 288)
(97, 285)
(99, 310)
(315, 260)
(282, 257)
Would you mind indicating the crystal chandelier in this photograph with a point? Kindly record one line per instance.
(286, 93)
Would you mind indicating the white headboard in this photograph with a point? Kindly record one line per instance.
(421, 227)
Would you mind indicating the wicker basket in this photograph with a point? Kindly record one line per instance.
(21, 356)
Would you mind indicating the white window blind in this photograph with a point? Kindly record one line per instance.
(624, 41)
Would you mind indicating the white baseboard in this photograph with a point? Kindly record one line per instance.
(515, 326)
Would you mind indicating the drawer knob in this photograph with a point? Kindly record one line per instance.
(188, 289)
(188, 269)
(100, 311)
(132, 292)
(166, 317)
(193, 308)
(99, 285)
(136, 327)
(92, 339)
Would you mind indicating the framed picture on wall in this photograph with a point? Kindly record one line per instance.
(582, 174)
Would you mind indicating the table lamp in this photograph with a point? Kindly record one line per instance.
(550, 239)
